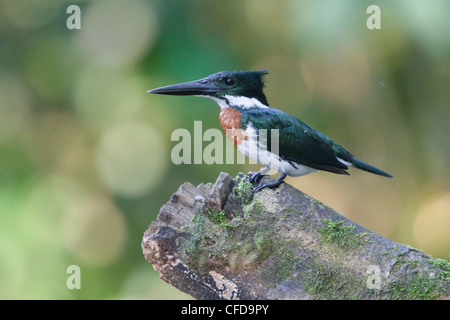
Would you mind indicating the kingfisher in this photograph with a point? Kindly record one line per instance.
(272, 137)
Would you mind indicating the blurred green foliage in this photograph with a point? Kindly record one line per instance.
(85, 152)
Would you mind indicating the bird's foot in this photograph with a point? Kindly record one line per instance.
(272, 185)
(254, 177)
(266, 185)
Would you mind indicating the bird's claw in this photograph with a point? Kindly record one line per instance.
(265, 185)
(254, 177)
(259, 187)
(272, 185)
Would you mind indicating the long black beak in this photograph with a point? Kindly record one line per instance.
(200, 87)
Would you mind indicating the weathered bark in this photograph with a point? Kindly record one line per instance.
(222, 241)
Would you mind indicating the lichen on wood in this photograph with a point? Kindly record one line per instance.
(222, 241)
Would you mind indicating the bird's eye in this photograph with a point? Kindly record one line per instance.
(229, 81)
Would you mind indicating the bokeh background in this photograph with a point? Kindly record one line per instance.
(85, 152)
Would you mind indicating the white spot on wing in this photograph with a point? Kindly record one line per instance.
(348, 164)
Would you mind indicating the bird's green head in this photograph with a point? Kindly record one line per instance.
(220, 85)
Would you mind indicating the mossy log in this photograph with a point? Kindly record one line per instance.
(222, 241)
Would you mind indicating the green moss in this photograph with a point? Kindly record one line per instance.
(417, 287)
(244, 190)
(288, 212)
(442, 269)
(424, 284)
(344, 236)
(423, 288)
(219, 217)
(251, 233)
(282, 264)
(218, 239)
(390, 253)
(263, 244)
(329, 280)
(253, 211)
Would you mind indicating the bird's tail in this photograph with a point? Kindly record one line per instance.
(369, 168)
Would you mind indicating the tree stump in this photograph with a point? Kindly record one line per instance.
(222, 241)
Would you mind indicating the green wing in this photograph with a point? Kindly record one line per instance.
(298, 142)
